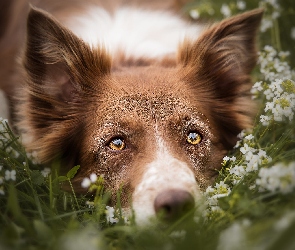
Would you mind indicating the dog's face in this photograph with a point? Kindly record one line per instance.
(158, 131)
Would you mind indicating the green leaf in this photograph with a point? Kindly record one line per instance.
(37, 178)
(73, 172)
(62, 178)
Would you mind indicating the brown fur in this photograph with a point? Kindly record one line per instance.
(77, 99)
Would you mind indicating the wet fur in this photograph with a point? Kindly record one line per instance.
(75, 98)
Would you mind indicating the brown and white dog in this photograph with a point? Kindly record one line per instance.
(132, 92)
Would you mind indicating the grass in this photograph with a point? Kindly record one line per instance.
(239, 212)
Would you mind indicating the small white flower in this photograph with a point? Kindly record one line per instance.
(45, 172)
(10, 175)
(241, 5)
(226, 158)
(238, 171)
(93, 177)
(249, 137)
(110, 215)
(194, 14)
(245, 149)
(86, 182)
(242, 134)
(225, 10)
(279, 177)
(265, 120)
(257, 87)
(233, 158)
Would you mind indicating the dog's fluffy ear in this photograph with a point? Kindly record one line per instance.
(217, 66)
(61, 70)
(55, 56)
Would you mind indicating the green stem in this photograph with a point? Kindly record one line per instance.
(75, 197)
(277, 35)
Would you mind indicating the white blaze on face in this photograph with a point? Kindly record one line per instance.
(163, 173)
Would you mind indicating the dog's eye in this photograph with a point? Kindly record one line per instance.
(193, 138)
(117, 144)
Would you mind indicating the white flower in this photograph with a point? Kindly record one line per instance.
(233, 158)
(249, 137)
(245, 149)
(45, 172)
(110, 215)
(86, 182)
(226, 158)
(225, 10)
(241, 5)
(222, 189)
(10, 175)
(265, 120)
(93, 177)
(257, 87)
(194, 14)
(242, 134)
(279, 177)
(238, 171)
(269, 106)
(268, 94)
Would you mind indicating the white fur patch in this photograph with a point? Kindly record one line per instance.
(139, 33)
(3, 106)
(164, 172)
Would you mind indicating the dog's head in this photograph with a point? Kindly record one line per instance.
(157, 132)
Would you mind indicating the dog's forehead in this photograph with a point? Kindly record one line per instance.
(149, 108)
(149, 94)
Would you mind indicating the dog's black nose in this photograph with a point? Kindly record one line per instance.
(173, 203)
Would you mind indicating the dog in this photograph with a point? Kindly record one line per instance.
(130, 91)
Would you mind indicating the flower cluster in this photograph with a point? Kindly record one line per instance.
(278, 178)
(249, 160)
(6, 175)
(274, 65)
(88, 181)
(4, 139)
(252, 159)
(110, 215)
(278, 90)
(214, 193)
(226, 10)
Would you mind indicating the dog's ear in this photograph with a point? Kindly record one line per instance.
(218, 65)
(60, 70)
(58, 60)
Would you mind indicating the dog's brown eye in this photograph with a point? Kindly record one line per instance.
(117, 144)
(194, 138)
